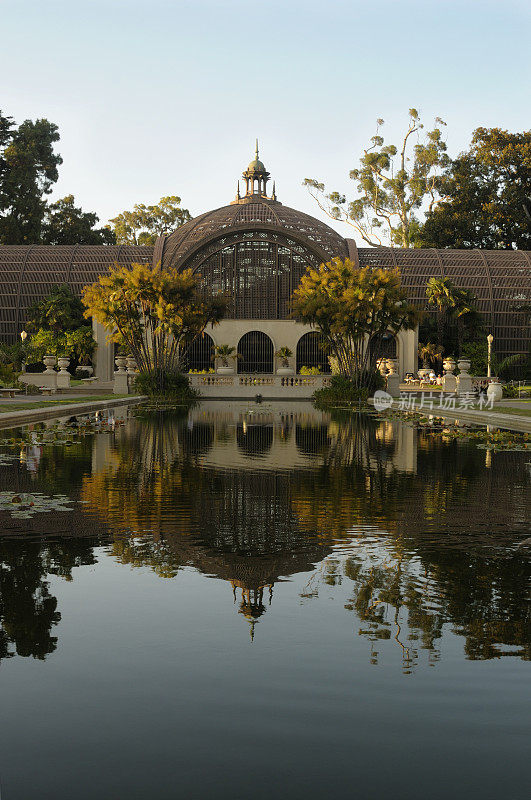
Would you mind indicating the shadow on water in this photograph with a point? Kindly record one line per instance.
(420, 532)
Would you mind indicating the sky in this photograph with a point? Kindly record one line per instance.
(166, 97)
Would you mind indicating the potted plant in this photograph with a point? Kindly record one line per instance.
(284, 354)
(225, 353)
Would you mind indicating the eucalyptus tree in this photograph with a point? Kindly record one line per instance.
(144, 223)
(393, 183)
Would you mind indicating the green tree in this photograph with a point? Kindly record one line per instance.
(144, 223)
(467, 316)
(28, 170)
(430, 354)
(441, 293)
(392, 183)
(487, 195)
(60, 311)
(65, 223)
(156, 315)
(353, 309)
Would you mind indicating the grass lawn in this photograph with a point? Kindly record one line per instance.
(522, 412)
(7, 407)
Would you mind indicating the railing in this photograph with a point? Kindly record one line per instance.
(257, 380)
(234, 386)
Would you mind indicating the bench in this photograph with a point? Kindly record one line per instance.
(9, 392)
(49, 390)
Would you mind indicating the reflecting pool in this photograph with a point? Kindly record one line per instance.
(251, 601)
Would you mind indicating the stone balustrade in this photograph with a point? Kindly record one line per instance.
(268, 386)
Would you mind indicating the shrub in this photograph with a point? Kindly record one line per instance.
(510, 391)
(309, 371)
(82, 373)
(170, 385)
(343, 390)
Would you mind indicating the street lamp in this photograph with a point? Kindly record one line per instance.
(490, 339)
(23, 336)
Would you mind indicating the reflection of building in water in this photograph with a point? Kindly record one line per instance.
(252, 602)
(253, 494)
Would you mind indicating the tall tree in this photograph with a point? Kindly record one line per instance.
(393, 182)
(144, 223)
(65, 223)
(353, 309)
(28, 170)
(487, 195)
(155, 314)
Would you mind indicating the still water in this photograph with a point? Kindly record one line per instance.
(262, 602)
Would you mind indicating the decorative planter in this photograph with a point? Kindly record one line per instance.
(391, 365)
(423, 373)
(225, 370)
(494, 391)
(120, 362)
(464, 365)
(131, 365)
(49, 363)
(285, 371)
(449, 365)
(63, 363)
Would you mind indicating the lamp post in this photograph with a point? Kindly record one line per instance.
(490, 339)
(23, 336)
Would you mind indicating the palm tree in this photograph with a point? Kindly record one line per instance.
(224, 352)
(442, 293)
(464, 310)
(430, 354)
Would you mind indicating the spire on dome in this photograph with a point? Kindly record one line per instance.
(256, 177)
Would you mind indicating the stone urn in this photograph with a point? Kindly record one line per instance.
(391, 365)
(464, 365)
(225, 370)
(131, 365)
(63, 363)
(423, 373)
(284, 371)
(49, 363)
(120, 362)
(449, 365)
(494, 390)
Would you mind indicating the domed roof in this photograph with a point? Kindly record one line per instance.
(258, 214)
(256, 166)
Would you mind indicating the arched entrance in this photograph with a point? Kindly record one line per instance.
(311, 352)
(199, 356)
(384, 347)
(256, 351)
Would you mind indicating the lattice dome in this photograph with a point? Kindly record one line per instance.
(257, 214)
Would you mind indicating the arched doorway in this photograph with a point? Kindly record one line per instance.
(256, 351)
(311, 352)
(384, 346)
(199, 356)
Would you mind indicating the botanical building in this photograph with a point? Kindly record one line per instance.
(255, 249)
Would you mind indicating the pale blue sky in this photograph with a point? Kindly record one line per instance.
(167, 96)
